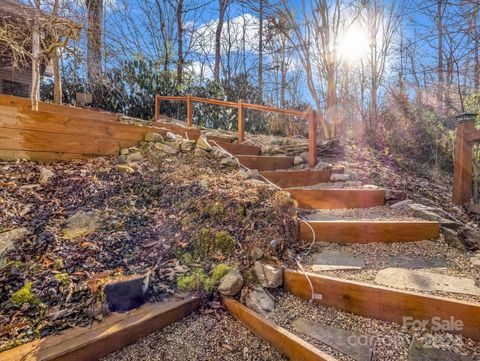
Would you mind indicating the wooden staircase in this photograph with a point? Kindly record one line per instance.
(276, 170)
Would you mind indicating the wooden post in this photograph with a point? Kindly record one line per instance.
(189, 111)
(241, 123)
(312, 137)
(463, 163)
(157, 107)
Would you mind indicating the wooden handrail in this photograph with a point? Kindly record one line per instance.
(309, 115)
(466, 135)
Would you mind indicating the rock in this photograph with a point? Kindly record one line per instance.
(172, 136)
(268, 275)
(256, 253)
(187, 145)
(45, 175)
(304, 156)
(219, 153)
(229, 162)
(351, 343)
(166, 148)
(8, 238)
(340, 177)
(401, 204)
(125, 295)
(134, 157)
(338, 169)
(231, 284)
(259, 301)
(124, 168)
(124, 151)
(202, 143)
(407, 261)
(370, 186)
(426, 281)
(452, 238)
(323, 165)
(335, 260)
(298, 160)
(471, 238)
(475, 259)
(354, 184)
(82, 223)
(153, 137)
(200, 152)
(430, 214)
(290, 254)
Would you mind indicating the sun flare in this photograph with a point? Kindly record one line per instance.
(353, 44)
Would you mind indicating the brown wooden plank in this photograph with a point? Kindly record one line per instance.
(384, 303)
(300, 178)
(286, 342)
(29, 140)
(265, 162)
(238, 149)
(337, 198)
(473, 136)
(463, 164)
(191, 133)
(25, 103)
(42, 156)
(114, 333)
(345, 231)
(64, 124)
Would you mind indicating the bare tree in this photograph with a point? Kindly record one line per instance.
(94, 39)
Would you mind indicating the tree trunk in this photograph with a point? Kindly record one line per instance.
(57, 79)
(260, 51)
(94, 41)
(440, 53)
(180, 42)
(218, 38)
(35, 91)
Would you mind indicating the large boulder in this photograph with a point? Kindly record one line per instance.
(8, 238)
(166, 148)
(187, 145)
(231, 284)
(269, 276)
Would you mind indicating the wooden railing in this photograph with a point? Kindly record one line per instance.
(466, 136)
(309, 115)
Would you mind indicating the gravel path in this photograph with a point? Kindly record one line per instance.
(376, 255)
(372, 213)
(391, 341)
(200, 337)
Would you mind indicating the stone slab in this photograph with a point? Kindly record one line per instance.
(405, 261)
(351, 343)
(420, 352)
(335, 260)
(425, 281)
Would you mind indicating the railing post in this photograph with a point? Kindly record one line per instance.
(241, 123)
(157, 107)
(463, 162)
(312, 137)
(189, 111)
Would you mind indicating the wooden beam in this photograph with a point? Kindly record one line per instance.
(189, 111)
(6, 154)
(265, 162)
(384, 303)
(473, 136)
(312, 138)
(298, 178)
(220, 138)
(239, 149)
(337, 198)
(286, 342)
(241, 123)
(463, 164)
(114, 333)
(345, 231)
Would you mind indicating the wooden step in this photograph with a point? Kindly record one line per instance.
(190, 133)
(298, 178)
(384, 303)
(367, 231)
(113, 333)
(238, 149)
(286, 342)
(265, 162)
(337, 198)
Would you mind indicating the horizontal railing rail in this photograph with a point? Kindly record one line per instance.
(309, 115)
